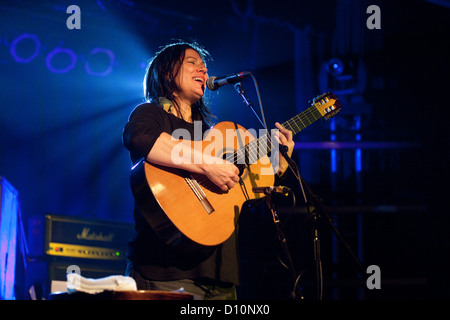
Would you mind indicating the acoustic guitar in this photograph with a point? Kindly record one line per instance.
(194, 210)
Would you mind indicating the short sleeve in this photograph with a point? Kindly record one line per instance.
(144, 126)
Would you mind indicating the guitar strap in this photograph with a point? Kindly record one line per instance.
(166, 104)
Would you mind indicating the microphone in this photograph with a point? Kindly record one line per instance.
(272, 189)
(214, 83)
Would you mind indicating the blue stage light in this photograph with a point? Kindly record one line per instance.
(22, 58)
(335, 67)
(61, 69)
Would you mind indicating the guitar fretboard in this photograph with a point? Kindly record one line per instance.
(262, 146)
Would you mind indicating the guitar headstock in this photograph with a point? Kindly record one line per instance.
(327, 104)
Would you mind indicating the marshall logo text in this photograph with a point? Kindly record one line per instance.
(86, 234)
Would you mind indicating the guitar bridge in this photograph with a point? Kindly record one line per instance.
(201, 196)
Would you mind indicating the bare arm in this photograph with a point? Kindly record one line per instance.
(183, 155)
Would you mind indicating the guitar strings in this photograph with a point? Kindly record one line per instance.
(252, 150)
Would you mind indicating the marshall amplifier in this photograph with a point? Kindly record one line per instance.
(97, 247)
(56, 242)
(86, 238)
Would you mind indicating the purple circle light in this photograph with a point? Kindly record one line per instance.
(16, 42)
(54, 52)
(108, 70)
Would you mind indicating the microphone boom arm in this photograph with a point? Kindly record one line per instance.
(240, 90)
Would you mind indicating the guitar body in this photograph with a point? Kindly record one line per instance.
(184, 214)
(195, 212)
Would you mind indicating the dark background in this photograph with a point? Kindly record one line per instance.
(64, 104)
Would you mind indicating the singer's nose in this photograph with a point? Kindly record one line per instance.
(203, 69)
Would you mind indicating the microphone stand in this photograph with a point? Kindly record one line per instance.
(319, 212)
(282, 239)
(280, 235)
(240, 90)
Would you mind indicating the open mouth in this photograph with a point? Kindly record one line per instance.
(199, 79)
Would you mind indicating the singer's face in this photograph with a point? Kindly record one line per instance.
(191, 78)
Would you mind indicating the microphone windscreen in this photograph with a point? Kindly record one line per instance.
(210, 83)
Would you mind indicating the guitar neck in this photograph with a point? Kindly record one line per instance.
(262, 146)
(302, 120)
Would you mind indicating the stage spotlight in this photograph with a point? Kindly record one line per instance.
(335, 67)
(343, 75)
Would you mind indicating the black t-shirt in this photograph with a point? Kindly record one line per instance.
(152, 256)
